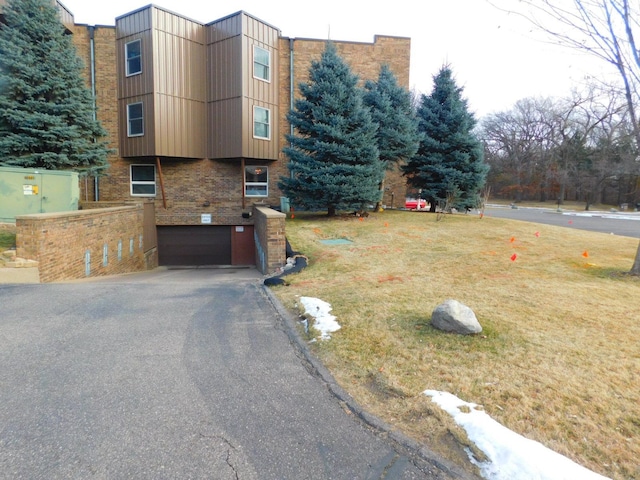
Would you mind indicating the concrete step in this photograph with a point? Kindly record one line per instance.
(8, 259)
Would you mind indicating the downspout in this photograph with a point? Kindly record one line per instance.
(291, 81)
(291, 90)
(92, 50)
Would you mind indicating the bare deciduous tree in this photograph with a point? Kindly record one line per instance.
(606, 29)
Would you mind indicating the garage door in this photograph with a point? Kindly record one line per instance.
(194, 245)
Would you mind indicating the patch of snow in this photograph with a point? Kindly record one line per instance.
(511, 456)
(324, 322)
(615, 216)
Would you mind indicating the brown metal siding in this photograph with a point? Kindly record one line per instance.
(179, 66)
(133, 23)
(143, 146)
(225, 123)
(180, 129)
(224, 28)
(179, 86)
(198, 97)
(135, 84)
(136, 88)
(178, 25)
(259, 92)
(225, 98)
(233, 91)
(224, 69)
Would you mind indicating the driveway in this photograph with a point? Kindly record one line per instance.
(177, 374)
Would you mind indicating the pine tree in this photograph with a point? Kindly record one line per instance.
(398, 138)
(333, 158)
(449, 162)
(46, 110)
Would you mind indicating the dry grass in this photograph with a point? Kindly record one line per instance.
(558, 360)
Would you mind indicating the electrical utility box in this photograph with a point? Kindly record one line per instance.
(34, 190)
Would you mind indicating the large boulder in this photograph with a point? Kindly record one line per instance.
(453, 316)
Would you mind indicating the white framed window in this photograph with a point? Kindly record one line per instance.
(133, 57)
(143, 180)
(256, 181)
(261, 63)
(262, 123)
(135, 120)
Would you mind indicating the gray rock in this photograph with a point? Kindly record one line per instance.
(453, 316)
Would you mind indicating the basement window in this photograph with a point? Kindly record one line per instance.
(135, 120)
(261, 123)
(261, 63)
(256, 181)
(133, 56)
(143, 180)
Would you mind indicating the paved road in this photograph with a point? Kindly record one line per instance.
(623, 223)
(176, 374)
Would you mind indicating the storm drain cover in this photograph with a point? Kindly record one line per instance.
(336, 241)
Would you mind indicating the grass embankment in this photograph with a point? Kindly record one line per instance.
(7, 240)
(558, 360)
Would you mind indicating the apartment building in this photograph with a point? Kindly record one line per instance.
(196, 115)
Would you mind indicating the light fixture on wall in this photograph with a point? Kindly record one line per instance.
(206, 203)
(246, 214)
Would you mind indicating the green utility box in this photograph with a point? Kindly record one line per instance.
(34, 190)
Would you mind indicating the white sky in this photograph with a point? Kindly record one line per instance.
(494, 56)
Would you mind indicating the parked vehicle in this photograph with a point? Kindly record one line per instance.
(412, 204)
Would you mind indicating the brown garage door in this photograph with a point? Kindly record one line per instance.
(194, 245)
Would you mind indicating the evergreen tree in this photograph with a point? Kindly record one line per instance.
(449, 162)
(398, 138)
(46, 110)
(333, 158)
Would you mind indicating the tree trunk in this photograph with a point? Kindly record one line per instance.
(331, 211)
(635, 270)
(378, 207)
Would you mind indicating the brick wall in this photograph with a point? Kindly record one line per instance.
(115, 185)
(271, 245)
(59, 242)
(197, 186)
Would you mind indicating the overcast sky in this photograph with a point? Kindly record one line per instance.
(496, 57)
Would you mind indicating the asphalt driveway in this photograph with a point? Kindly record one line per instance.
(176, 374)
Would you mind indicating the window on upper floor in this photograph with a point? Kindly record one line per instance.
(256, 181)
(261, 123)
(261, 63)
(133, 57)
(135, 120)
(143, 180)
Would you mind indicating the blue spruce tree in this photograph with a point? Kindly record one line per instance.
(333, 159)
(449, 163)
(46, 110)
(397, 138)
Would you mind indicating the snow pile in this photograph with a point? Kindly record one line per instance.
(511, 456)
(324, 322)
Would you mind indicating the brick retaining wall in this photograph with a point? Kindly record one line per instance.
(84, 243)
(271, 245)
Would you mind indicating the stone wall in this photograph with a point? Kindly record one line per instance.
(271, 244)
(86, 243)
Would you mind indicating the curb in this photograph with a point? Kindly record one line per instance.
(408, 446)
